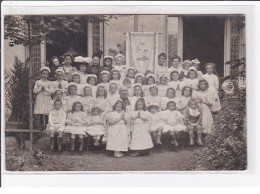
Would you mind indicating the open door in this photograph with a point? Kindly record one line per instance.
(203, 38)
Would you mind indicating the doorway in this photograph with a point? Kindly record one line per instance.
(71, 42)
(203, 38)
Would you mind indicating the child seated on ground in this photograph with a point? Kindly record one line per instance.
(76, 124)
(95, 126)
(173, 120)
(57, 118)
(192, 119)
(156, 122)
(117, 133)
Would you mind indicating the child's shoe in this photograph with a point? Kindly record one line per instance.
(134, 154)
(118, 154)
(96, 143)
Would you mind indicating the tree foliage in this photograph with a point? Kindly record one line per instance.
(16, 87)
(16, 27)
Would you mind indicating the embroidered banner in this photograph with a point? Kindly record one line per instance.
(142, 50)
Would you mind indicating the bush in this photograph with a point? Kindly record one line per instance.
(225, 148)
(17, 89)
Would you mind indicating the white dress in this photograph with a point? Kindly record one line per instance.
(122, 70)
(112, 100)
(88, 102)
(103, 104)
(69, 100)
(56, 121)
(141, 137)
(117, 134)
(96, 130)
(156, 121)
(162, 89)
(43, 98)
(79, 88)
(77, 127)
(83, 77)
(153, 99)
(133, 100)
(177, 86)
(63, 85)
(213, 88)
(207, 120)
(193, 83)
(173, 121)
(161, 70)
(146, 90)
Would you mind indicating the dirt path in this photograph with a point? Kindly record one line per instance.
(101, 161)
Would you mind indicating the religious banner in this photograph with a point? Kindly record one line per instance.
(142, 51)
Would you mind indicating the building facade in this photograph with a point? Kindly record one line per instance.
(212, 38)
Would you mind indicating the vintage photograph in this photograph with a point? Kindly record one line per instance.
(125, 92)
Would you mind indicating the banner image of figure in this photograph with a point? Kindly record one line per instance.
(142, 50)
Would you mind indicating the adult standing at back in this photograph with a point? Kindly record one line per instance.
(95, 68)
(162, 68)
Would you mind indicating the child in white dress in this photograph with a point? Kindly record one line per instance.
(43, 89)
(213, 82)
(127, 83)
(104, 79)
(192, 119)
(173, 121)
(131, 71)
(76, 124)
(139, 78)
(92, 80)
(138, 93)
(195, 63)
(153, 97)
(59, 83)
(205, 100)
(185, 67)
(185, 98)
(175, 83)
(58, 94)
(67, 66)
(120, 65)
(88, 100)
(96, 126)
(150, 80)
(57, 118)
(192, 79)
(76, 79)
(116, 76)
(118, 135)
(156, 122)
(72, 97)
(163, 86)
(101, 98)
(141, 137)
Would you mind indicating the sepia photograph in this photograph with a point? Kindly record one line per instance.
(125, 92)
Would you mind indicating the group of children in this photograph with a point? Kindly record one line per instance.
(86, 101)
